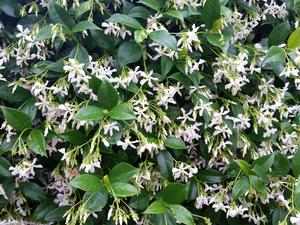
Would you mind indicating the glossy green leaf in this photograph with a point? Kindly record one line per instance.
(123, 190)
(122, 172)
(4, 167)
(32, 191)
(182, 214)
(156, 207)
(153, 4)
(18, 120)
(125, 20)
(95, 201)
(211, 12)
(296, 163)
(259, 185)
(60, 15)
(87, 182)
(175, 14)
(107, 95)
(29, 108)
(84, 25)
(89, 113)
(245, 167)
(44, 33)
(129, 52)
(175, 143)
(164, 38)
(240, 187)
(75, 137)
(36, 142)
(122, 112)
(174, 193)
(279, 34)
(56, 214)
(165, 163)
(210, 176)
(274, 55)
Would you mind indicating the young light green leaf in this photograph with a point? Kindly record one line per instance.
(125, 20)
(122, 112)
(164, 38)
(18, 120)
(175, 143)
(87, 182)
(89, 113)
(294, 39)
(36, 142)
(122, 172)
(129, 52)
(156, 207)
(245, 167)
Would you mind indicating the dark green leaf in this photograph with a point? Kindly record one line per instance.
(107, 95)
(56, 214)
(175, 14)
(85, 25)
(175, 143)
(296, 163)
(125, 20)
(29, 108)
(175, 193)
(4, 166)
(60, 15)
(153, 4)
(95, 201)
(75, 137)
(129, 52)
(279, 34)
(245, 167)
(297, 194)
(18, 120)
(43, 209)
(182, 215)
(166, 65)
(240, 187)
(259, 185)
(32, 191)
(210, 176)
(44, 33)
(165, 163)
(211, 12)
(281, 165)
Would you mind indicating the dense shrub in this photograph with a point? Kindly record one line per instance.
(145, 112)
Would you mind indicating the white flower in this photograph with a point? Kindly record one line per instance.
(25, 169)
(127, 142)
(148, 78)
(295, 219)
(110, 127)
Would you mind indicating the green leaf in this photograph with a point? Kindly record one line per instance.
(175, 14)
(296, 163)
(29, 108)
(262, 165)
(102, 40)
(153, 4)
(279, 34)
(95, 201)
(43, 209)
(4, 166)
(182, 215)
(125, 20)
(18, 120)
(81, 54)
(20, 94)
(294, 39)
(165, 163)
(156, 207)
(175, 143)
(245, 167)
(32, 191)
(211, 12)
(10, 7)
(129, 52)
(281, 165)
(85, 25)
(56, 214)
(274, 55)
(75, 137)
(122, 172)
(166, 65)
(297, 194)
(175, 193)
(259, 185)
(58, 14)
(240, 187)
(139, 12)
(107, 95)
(89, 113)
(122, 112)
(36, 142)
(82, 8)
(123, 190)
(87, 182)
(44, 33)
(164, 38)
(210, 176)
(140, 202)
